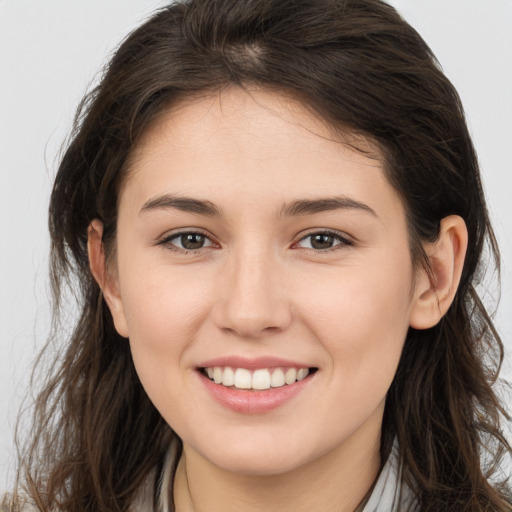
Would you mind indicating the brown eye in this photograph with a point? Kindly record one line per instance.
(188, 241)
(192, 241)
(323, 241)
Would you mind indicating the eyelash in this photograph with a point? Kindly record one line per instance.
(167, 242)
(341, 239)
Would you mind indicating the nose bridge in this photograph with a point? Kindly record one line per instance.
(253, 298)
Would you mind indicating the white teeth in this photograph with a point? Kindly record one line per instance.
(277, 379)
(242, 378)
(303, 372)
(228, 379)
(217, 375)
(290, 376)
(260, 379)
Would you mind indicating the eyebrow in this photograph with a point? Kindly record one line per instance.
(185, 204)
(295, 208)
(310, 206)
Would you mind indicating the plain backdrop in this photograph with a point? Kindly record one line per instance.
(51, 53)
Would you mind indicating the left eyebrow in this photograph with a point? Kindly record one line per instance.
(185, 204)
(310, 206)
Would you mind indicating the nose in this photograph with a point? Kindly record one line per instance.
(252, 299)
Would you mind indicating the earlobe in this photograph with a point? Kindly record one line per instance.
(108, 283)
(434, 293)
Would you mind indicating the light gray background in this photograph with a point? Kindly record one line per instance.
(51, 51)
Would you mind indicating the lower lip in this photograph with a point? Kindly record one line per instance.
(254, 402)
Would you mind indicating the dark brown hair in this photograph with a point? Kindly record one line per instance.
(365, 71)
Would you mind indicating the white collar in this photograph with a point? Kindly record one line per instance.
(389, 494)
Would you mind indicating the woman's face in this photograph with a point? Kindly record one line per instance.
(254, 247)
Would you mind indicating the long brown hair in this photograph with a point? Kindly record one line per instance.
(96, 434)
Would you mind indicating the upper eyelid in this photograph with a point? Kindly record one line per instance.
(167, 239)
(319, 231)
(169, 235)
(345, 242)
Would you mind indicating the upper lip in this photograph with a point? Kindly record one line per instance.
(253, 363)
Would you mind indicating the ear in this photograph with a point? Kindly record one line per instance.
(104, 276)
(434, 294)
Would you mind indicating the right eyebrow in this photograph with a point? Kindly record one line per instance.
(312, 206)
(185, 204)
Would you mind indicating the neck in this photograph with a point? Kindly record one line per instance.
(334, 482)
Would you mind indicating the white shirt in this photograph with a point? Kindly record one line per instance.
(387, 495)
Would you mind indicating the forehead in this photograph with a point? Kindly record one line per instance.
(251, 143)
(189, 122)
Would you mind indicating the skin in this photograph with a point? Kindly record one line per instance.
(258, 288)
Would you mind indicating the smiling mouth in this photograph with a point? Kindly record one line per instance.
(255, 380)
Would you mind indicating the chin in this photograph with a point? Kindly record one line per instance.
(257, 465)
(260, 457)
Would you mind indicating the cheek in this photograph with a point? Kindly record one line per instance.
(161, 310)
(164, 314)
(164, 309)
(361, 317)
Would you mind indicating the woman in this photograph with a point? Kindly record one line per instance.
(274, 215)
